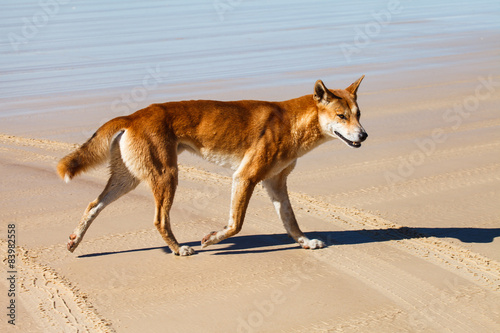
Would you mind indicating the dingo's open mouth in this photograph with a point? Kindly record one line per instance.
(349, 142)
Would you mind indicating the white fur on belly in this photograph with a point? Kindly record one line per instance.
(225, 160)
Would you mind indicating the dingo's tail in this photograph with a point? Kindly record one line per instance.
(93, 152)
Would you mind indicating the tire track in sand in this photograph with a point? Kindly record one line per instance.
(459, 260)
(449, 181)
(37, 143)
(53, 302)
(392, 163)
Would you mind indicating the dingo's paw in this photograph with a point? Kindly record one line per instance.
(186, 251)
(312, 244)
(72, 243)
(211, 238)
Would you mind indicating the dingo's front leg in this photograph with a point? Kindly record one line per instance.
(242, 190)
(277, 190)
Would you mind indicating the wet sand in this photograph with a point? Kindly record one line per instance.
(411, 219)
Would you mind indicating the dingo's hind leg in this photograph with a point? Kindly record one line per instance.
(163, 181)
(120, 183)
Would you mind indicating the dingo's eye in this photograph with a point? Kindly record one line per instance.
(341, 116)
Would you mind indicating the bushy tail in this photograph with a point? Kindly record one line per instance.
(93, 152)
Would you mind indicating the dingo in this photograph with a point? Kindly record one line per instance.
(259, 140)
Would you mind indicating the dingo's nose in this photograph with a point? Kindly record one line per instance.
(363, 136)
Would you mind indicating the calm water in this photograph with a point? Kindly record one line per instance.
(81, 46)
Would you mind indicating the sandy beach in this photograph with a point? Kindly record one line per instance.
(411, 219)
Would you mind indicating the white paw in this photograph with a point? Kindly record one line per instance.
(73, 242)
(186, 250)
(212, 238)
(311, 243)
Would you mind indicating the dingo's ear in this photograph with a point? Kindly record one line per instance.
(353, 88)
(321, 94)
(319, 91)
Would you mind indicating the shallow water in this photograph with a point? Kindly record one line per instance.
(90, 47)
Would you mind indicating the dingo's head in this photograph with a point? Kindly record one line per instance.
(339, 113)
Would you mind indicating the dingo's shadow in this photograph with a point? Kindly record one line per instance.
(281, 242)
(276, 242)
